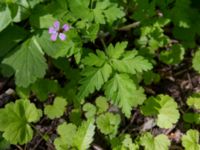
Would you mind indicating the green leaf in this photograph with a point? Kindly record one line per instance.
(196, 60)
(194, 101)
(84, 135)
(67, 133)
(173, 56)
(102, 104)
(57, 109)
(108, 123)
(190, 141)
(130, 63)
(160, 142)
(59, 48)
(117, 50)
(15, 121)
(5, 16)
(94, 78)
(4, 145)
(43, 87)
(123, 92)
(95, 59)
(90, 110)
(164, 107)
(7, 41)
(28, 62)
(192, 118)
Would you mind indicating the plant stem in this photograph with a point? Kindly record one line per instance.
(130, 26)
(103, 43)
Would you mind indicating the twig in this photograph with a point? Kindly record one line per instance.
(19, 147)
(130, 26)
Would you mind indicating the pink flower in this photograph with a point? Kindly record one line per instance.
(56, 31)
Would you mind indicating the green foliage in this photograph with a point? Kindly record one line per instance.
(173, 56)
(195, 60)
(156, 143)
(57, 109)
(28, 62)
(108, 123)
(15, 121)
(90, 110)
(102, 104)
(190, 141)
(124, 93)
(194, 101)
(164, 107)
(79, 138)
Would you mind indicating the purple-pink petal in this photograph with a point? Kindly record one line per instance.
(66, 27)
(52, 30)
(54, 36)
(56, 25)
(62, 36)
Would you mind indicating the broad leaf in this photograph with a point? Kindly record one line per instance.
(190, 141)
(108, 123)
(160, 142)
(15, 121)
(57, 109)
(164, 107)
(5, 16)
(28, 62)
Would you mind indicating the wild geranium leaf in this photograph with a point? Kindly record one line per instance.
(97, 59)
(15, 121)
(5, 16)
(57, 109)
(108, 123)
(117, 50)
(122, 91)
(164, 107)
(130, 63)
(173, 56)
(194, 101)
(190, 141)
(84, 135)
(154, 143)
(102, 104)
(67, 133)
(43, 87)
(90, 110)
(28, 62)
(4, 144)
(195, 61)
(94, 78)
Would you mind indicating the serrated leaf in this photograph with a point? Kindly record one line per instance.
(28, 62)
(164, 107)
(84, 135)
(108, 123)
(97, 59)
(57, 109)
(160, 142)
(117, 50)
(67, 133)
(122, 91)
(94, 78)
(15, 121)
(190, 141)
(130, 63)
